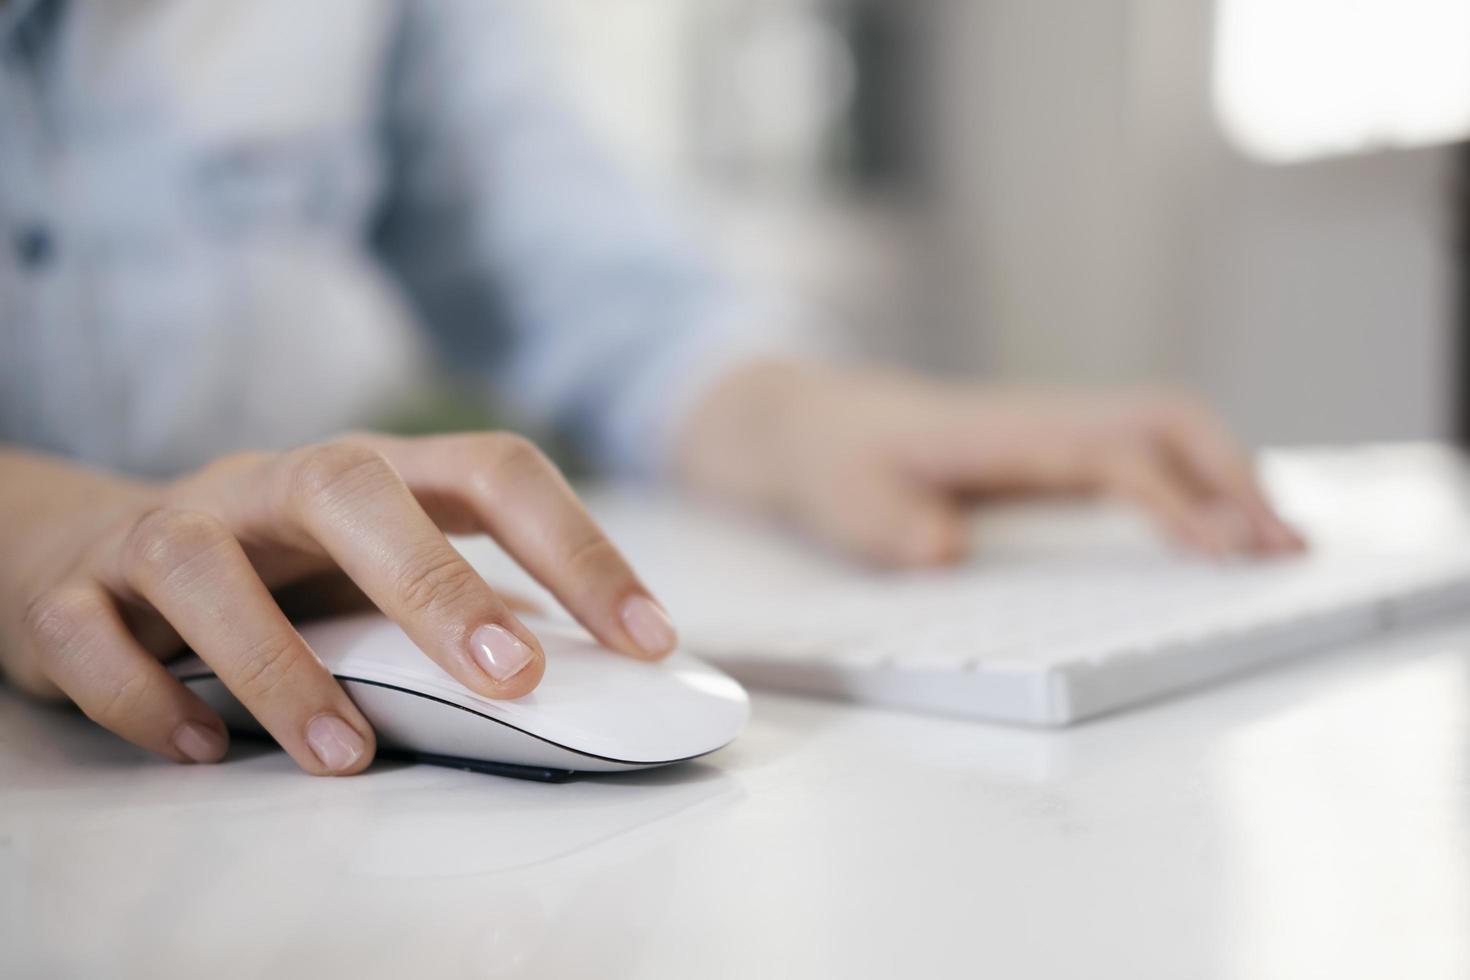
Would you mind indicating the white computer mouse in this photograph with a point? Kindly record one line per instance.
(594, 711)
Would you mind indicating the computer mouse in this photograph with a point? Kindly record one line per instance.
(594, 710)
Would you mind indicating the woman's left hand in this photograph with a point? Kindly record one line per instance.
(885, 465)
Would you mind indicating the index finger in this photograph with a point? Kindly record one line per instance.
(520, 499)
(352, 503)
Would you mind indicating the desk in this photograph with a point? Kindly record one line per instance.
(1310, 821)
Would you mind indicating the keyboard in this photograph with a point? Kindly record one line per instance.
(1067, 611)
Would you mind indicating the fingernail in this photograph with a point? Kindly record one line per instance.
(499, 651)
(199, 743)
(649, 626)
(335, 742)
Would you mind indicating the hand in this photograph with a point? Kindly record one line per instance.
(884, 465)
(109, 576)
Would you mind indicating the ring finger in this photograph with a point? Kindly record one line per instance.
(192, 570)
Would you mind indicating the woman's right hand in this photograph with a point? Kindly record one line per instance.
(103, 578)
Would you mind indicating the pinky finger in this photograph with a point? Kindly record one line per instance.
(85, 649)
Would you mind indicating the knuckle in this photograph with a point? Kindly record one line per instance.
(335, 470)
(510, 457)
(166, 539)
(593, 556)
(435, 582)
(129, 700)
(512, 446)
(55, 618)
(265, 667)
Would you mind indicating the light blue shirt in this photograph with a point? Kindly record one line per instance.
(251, 223)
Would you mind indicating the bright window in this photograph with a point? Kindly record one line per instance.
(1302, 79)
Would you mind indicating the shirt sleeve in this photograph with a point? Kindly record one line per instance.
(534, 260)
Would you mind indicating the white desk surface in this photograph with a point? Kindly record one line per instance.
(1310, 821)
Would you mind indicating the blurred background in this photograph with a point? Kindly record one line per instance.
(1253, 198)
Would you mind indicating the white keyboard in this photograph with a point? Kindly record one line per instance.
(1056, 643)
(1066, 612)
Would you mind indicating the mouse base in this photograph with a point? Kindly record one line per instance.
(537, 774)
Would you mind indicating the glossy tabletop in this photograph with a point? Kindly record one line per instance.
(1308, 821)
